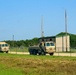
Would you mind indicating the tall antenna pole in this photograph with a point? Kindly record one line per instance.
(66, 28)
(42, 32)
(13, 40)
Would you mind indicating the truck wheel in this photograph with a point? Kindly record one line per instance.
(34, 52)
(30, 53)
(6, 51)
(39, 53)
(43, 53)
(51, 53)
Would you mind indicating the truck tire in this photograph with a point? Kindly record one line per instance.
(35, 52)
(39, 53)
(51, 53)
(31, 51)
(42, 53)
(6, 51)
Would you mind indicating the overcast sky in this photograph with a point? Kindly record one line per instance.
(22, 18)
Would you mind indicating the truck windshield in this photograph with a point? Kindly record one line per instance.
(52, 44)
(4, 45)
(49, 44)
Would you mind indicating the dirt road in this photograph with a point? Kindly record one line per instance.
(55, 54)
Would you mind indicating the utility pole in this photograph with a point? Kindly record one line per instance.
(66, 28)
(42, 32)
(13, 40)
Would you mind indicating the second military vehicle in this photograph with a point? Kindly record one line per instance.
(4, 47)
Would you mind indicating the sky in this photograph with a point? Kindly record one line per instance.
(22, 18)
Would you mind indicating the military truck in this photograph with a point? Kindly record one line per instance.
(4, 47)
(47, 47)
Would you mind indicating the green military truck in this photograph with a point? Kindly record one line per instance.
(47, 47)
(4, 47)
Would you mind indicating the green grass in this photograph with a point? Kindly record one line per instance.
(73, 50)
(4, 70)
(13, 64)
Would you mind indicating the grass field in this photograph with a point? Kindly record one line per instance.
(12, 64)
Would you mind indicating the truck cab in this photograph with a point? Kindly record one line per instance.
(48, 47)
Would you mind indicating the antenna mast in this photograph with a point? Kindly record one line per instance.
(13, 40)
(42, 32)
(66, 28)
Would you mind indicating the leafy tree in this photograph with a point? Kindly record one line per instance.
(25, 43)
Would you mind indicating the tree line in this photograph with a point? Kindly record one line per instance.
(34, 41)
(24, 43)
